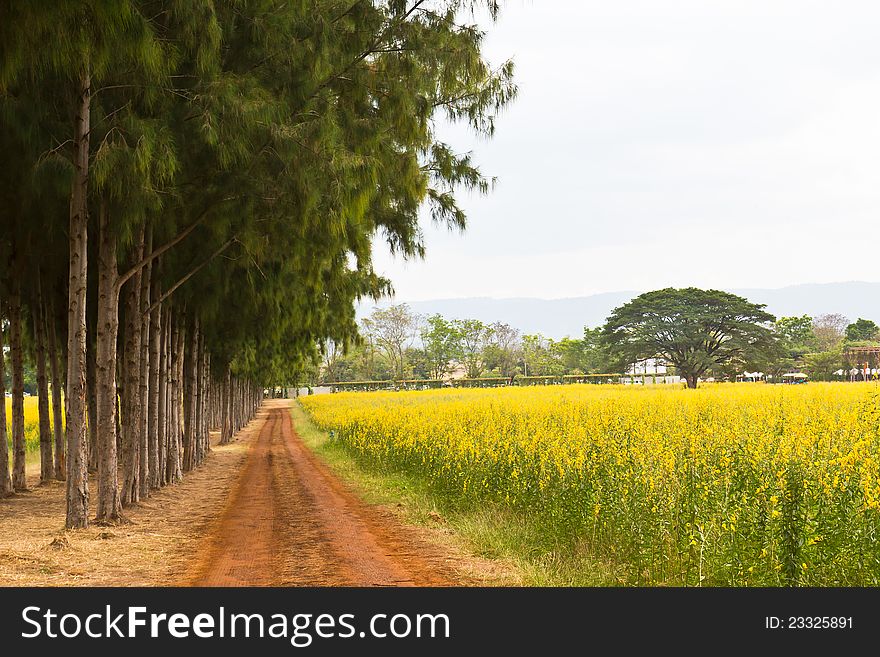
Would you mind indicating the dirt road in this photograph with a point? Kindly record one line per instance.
(290, 522)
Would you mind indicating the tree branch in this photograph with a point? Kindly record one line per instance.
(369, 51)
(175, 240)
(188, 276)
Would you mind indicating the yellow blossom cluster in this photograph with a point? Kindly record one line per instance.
(730, 484)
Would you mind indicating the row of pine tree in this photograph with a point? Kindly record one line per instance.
(189, 198)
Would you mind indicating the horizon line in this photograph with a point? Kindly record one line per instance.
(596, 294)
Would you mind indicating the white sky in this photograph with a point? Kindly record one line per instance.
(732, 144)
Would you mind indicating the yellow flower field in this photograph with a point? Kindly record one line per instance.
(31, 421)
(737, 484)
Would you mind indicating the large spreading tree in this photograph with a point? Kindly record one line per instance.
(693, 329)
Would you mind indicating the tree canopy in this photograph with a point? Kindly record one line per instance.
(692, 329)
(862, 329)
(830, 330)
(214, 177)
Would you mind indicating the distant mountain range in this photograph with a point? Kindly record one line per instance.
(557, 318)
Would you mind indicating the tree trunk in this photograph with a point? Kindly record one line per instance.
(144, 374)
(19, 478)
(47, 462)
(77, 475)
(5, 478)
(156, 343)
(226, 413)
(174, 470)
(217, 398)
(204, 436)
(119, 393)
(185, 397)
(162, 410)
(109, 501)
(692, 380)
(190, 397)
(237, 408)
(199, 402)
(239, 404)
(57, 414)
(209, 400)
(233, 408)
(92, 389)
(169, 391)
(131, 408)
(173, 402)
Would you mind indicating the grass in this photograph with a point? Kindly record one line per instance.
(489, 531)
(162, 545)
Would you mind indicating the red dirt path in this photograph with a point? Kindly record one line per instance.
(290, 522)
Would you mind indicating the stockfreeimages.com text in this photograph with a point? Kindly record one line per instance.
(300, 629)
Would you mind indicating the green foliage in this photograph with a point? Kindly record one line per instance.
(442, 346)
(418, 364)
(362, 362)
(392, 330)
(475, 336)
(693, 329)
(822, 365)
(570, 353)
(504, 350)
(540, 357)
(796, 335)
(795, 330)
(862, 329)
(269, 143)
(30, 377)
(587, 355)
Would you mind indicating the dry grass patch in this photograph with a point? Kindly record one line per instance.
(154, 547)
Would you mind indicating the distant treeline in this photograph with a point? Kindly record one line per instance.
(418, 351)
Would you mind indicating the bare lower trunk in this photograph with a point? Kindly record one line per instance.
(198, 404)
(226, 430)
(240, 401)
(171, 395)
(131, 408)
(47, 462)
(174, 469)
(77, 475)
(5, 478)
(216, 396)
(143, 477)
(235, 404)
(162, 412)
(109, 502)
(119, 392)
(57, 414)
(19, 478)
(204, 435)
(155, 391)
(208, 392)
(190, 397)
(92, 390)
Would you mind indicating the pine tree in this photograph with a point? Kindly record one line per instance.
(261, 147)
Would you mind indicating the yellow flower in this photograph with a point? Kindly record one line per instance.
(640, 471)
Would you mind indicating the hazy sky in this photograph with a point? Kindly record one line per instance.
(728, 144)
